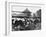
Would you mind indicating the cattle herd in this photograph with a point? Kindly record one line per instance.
(26, 24)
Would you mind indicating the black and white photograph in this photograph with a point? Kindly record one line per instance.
(26, 18)
(22, 18)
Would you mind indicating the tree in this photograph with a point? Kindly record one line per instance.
(39, 13)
